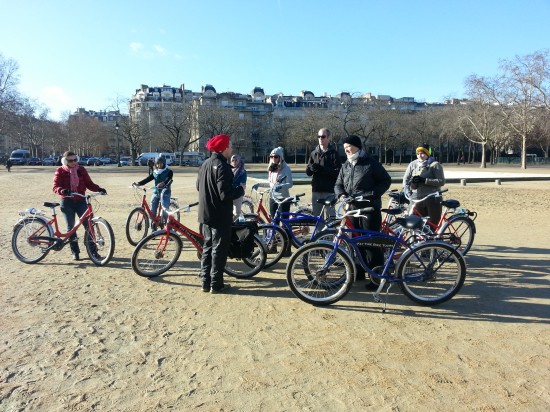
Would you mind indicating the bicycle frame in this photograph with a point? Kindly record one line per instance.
(174, 226)
(377, 239)
(145, 205)
(53, 222)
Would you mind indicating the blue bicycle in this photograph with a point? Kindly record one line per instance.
(288, 229)
(429, 273)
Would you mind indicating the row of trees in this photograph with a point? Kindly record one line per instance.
(509, 112)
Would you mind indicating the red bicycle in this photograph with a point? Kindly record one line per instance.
(456, 225)
(34, 235)
(140, 218)
(158, 252)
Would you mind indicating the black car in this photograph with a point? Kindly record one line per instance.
(35, 161)
(94, 161)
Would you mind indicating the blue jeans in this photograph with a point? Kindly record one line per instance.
(165, 201)
(70, 209)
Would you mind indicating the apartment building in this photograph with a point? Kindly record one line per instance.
(251, 119)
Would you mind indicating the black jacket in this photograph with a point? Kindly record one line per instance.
(324, 167)
(368, 177)
(216, 192)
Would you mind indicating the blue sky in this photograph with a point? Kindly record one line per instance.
(87, 54)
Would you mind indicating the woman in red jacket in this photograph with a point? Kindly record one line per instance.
(71, 177)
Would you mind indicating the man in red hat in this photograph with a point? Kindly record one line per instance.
(216, 194)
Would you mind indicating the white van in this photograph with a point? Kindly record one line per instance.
(20, 157)
(144, 157)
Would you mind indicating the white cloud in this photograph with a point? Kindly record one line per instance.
(57, 100)
(160, 50)
(136, 47)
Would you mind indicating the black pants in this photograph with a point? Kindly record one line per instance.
(274, 206)
(214, 255)
(374, 256)
(430, 207)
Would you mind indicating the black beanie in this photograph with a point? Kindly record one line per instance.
(353, 140)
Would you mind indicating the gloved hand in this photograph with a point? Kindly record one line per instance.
(65, 192)
(276, 188)
(315, 167)
(102, 191)
(255, 187)
(418, 179)
(135, 184)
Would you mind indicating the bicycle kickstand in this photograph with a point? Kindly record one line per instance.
(378, 298)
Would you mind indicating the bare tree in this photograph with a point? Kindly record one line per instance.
(9, 95)
(176, 123)
(517, 91)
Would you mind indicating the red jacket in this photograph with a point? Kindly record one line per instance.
(62, 180)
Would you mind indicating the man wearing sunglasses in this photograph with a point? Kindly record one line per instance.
(324, 165)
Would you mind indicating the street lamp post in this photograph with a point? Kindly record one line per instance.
(117, 145)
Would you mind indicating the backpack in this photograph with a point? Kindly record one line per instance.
(242, 239)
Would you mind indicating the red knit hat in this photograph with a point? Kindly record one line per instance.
(218, 143)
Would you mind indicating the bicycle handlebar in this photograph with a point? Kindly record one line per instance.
(407, 192)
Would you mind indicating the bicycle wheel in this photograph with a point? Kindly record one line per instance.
(302, 228)
(314, 279)
(459, 231)
(99, 240)
(29, 240)
(174, 205)
(137, 225)
(247, 207)
(156, 253)
(432, 273)
(275, 240)
(250, 266)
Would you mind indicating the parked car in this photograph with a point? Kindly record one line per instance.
(49, 161)
(94, 161)
(125, 160)
(83, 160)
(107, 160)
(34, 161)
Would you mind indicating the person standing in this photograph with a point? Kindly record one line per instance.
(163, 177)
(9, 164)
(279, 178)
(150, 165)
(71, 177)
(363, 174)
(324, 166)
(216, 195)
(424, 176)
(239, 179)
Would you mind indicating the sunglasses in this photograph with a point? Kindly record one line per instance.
(274, 156)
(71, 160)
(322, 136)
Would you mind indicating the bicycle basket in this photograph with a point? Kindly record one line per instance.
(242, 239)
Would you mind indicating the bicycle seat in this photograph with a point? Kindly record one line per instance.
(49, 204)
(328, 201)
(410, 222)
(451, 203)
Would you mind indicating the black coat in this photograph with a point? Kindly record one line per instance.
(216, 192)
(368, 177)
(324, 167)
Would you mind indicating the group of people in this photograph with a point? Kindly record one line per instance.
(222, 180)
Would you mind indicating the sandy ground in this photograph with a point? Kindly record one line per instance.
(78, 337)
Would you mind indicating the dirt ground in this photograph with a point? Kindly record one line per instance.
(76, 337)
